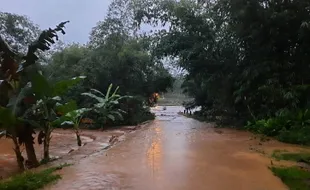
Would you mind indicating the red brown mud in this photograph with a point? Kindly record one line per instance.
(63, 146)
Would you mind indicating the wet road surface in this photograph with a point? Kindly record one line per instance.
(174, 153)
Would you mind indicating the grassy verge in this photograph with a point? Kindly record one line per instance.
(31, 180)
(295, 178)
(297, 157)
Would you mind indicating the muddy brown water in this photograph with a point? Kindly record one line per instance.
(62, 142)
(176, 153)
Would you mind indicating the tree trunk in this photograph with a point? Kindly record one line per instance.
(31, 154)
(32, 161)
(47, 140)
(46, 150)
(78, 138)
(19, 157)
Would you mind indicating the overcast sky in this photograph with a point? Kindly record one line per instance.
(82, 14)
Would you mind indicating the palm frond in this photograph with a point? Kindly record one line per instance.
(98, 92)
(43, 43)
(115, 91)
(110, 116)
(118, 114)
(99, 99)
(107, 96)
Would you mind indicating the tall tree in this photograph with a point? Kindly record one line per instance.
(240, 55)
(19, 31)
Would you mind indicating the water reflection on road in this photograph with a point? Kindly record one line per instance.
(174, 153)
(154, 152)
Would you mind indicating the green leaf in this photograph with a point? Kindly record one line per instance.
(107, 96)
(63, 86)
(67, 123)
(71, 116)
(118, 114)
(114, 93)
(42, 43)
(59, 121)
(97, 91)
(76, 113)
(99, 99)
(40, 86)
(56, 98)
(111, 117)
(68, 107)
(121, 111)
(115, 102)
(6, 117)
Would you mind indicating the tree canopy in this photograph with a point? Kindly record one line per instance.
(245, 59)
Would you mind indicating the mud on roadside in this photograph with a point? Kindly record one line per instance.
(64, 147)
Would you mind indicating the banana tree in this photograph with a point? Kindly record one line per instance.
(71, 116)
(44, 112)
(107, 105)
(11, 123)
(14, 77)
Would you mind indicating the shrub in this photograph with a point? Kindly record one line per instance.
(290, 127)
(30, 180)
(293, 177)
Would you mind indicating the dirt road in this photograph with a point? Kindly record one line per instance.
(174, 153)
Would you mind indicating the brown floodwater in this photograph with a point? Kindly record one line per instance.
(177, 153)
(62, 142)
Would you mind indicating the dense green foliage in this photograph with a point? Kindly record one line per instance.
(21, 83)
(114, 55)
(291, 127)
(128, 66)
(106, 109)
(36, 89)
(296, 156)
(247, 60)
(293, 177)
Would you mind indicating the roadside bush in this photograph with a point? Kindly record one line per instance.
(135, 112)
(290, 127)
(30, 180)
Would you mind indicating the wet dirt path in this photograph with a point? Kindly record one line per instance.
(174, 153)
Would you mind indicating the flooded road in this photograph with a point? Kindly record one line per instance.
(174, 153)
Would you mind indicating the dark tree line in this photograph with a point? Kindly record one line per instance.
(246, 60)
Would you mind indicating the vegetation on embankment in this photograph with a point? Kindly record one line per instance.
(295, 177)
(31, 180)
(289, 126)
(292, 156)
